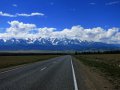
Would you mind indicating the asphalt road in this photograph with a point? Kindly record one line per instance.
(54, 74)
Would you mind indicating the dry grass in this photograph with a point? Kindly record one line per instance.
(7, 61)
(109, 64)
(113, 59)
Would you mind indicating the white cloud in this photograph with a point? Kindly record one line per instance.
(21, 30)
(14, 5)
(21, 14)
(92, 3)
(52, 3)
(17, 27)
(112, 3)
(28, 15)
(6, 14)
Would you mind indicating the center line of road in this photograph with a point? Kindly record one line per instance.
(43, 68)
(74, 78)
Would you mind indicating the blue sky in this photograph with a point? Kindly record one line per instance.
(64, 13)
(92, 20)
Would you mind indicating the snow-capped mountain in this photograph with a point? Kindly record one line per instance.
(54, 44)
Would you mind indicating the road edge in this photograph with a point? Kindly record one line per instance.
(74, 77)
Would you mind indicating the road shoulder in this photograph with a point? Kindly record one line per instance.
(89, 79)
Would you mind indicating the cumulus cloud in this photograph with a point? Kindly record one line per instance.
(21, 30)
(17, 27)
(21, 14)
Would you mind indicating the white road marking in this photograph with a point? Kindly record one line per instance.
(17, 67)
(55, 62)
(74, 78)
(43, 68)
(9, 70)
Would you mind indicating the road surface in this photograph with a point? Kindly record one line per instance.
(54, 74)
(60, 73)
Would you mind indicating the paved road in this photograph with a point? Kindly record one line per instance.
(54, 74)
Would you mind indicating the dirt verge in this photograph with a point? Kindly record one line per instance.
(91, 78)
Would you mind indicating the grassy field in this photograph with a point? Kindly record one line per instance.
(8, 61)
(108, 64)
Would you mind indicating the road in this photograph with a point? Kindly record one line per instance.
(54, 74)
(60, 73)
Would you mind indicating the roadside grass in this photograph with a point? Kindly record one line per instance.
(109, 64)
(9, 61)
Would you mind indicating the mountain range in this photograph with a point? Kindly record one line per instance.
(54, 44)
